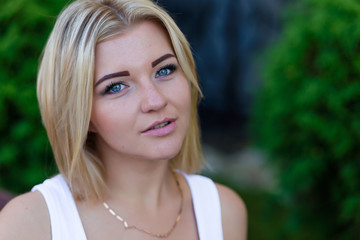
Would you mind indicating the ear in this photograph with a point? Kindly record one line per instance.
(92, 128)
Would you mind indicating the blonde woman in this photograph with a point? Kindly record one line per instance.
(118, 91)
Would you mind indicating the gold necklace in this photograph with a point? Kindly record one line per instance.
(158, 235)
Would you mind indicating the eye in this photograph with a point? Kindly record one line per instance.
(166, 70)
(114, 88)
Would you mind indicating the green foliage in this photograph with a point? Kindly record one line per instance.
(308, 116)
(267, 215)
(25, 155)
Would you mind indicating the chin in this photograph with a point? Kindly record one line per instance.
(165, 152)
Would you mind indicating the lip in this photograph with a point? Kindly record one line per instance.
(163, 131)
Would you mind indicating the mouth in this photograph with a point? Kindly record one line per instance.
(159, 124)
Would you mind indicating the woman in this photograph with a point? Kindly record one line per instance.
(118, 91)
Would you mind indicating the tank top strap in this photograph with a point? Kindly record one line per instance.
(64, 216)
(206, 202)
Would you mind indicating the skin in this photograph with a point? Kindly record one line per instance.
(137, 82)
(146, 92)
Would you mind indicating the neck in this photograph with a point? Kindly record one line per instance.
(139, 182)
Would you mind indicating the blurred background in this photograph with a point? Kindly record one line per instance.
(280, 118)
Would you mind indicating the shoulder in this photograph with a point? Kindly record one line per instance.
(24, 216)
(234, 214)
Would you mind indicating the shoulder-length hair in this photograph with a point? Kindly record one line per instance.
(65, 86)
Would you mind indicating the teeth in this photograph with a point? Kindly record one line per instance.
(160, 125)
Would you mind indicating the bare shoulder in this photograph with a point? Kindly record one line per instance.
(24, 216)
(234, 214)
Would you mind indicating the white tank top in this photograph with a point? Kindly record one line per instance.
(66, 223)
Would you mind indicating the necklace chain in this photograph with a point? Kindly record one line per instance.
(158, 235)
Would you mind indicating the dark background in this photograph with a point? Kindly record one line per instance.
(226, 37)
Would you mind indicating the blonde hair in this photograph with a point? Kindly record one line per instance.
(65, 86)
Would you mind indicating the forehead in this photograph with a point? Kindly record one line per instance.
(142, 42)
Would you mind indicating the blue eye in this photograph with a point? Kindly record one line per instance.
(114, 88)
(163, 72)
(166, 70)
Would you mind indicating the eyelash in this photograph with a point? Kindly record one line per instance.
(171, 67)
(111, 85)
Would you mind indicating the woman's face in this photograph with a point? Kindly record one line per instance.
(141, 104)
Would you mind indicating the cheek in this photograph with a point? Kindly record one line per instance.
(185, 95)
(182, 99)
(106, 117)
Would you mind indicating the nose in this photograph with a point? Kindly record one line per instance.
(152, 98)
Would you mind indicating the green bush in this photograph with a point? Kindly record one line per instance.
(307, 117)
(25, 155)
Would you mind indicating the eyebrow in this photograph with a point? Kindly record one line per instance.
(162, 58)
(112, 75)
